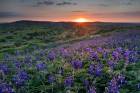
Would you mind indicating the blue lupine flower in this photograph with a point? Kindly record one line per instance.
(105, 55)
(91, 69)
(119, 49)
(121, 80)
(64, 53)
(5, 88)
(127, 53)
(111, 64)
(41, 66)
(27, 59)
(17, 81)
(42, 53)
(51, 55)
(23, 75)
(86, 83)
(95, 70)
(115, 55)
(4, 68)
(98, 71)
(113, 86)
(77, 64)
(116, 83)
(92, 90)
(51, 79)
(17, 64)
(89, 49)
(37, 58)
(20, 78)
(133, 59)
(99, 49)
(94, 56)
(69, 81)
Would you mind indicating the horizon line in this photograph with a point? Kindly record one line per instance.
(66, 21)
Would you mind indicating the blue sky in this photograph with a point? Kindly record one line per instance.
(68, 10)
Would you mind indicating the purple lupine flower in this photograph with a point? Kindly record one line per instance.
(17, 64)
(105, 55)
(27, 59)
(92, 90)
(116, 83)
(133, 58)
(41, 66)
(51, 79)
(121, 80)
(113, 86)
(77, 64)
(20, 78)
(69, 81)
(91, 69)
(23, 75)
(17, 81)
(115, 55)
(4, 68)
(94, 56)
(89, 49)
(6, 88)
(127, 53)
(37, 58)
(42, 53)
(98, 71)
(86, 83)
(111, 64)
(64, 53)
(119, 49)
(51, 55)
(100, 50)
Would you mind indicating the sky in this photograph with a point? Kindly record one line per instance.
(69, 10)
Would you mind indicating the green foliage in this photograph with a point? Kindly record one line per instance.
(22, 33)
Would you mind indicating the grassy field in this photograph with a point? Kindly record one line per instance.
(67, 57)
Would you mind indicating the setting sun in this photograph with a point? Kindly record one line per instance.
(81, 20)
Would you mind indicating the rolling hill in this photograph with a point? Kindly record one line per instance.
(21, 34)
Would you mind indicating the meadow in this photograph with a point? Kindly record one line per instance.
(47, 57)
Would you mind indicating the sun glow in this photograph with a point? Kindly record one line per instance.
(80, 20)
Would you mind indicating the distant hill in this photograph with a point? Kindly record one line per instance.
(24, 33)
(29, 22)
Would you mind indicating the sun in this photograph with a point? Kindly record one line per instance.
(81, 20)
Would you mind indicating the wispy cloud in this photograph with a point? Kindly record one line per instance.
(10, 14)
(47, 3)
(66, 3)
(50, 2)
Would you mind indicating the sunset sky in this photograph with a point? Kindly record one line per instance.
(70, 10)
